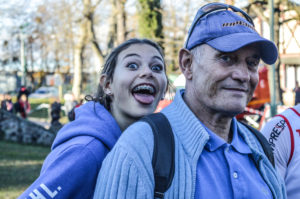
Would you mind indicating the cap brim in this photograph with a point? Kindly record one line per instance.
(233, 42)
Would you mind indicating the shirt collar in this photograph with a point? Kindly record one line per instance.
(237, 143)
(214, 141)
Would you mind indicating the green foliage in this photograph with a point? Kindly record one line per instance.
(20, 165)
(150, 19)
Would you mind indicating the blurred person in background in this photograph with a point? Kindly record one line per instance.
(22, 106)
(297, 93)
(283, 134)
(6, 103)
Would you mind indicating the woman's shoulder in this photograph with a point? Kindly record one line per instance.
(80, 147)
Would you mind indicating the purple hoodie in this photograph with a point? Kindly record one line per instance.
(71, 169)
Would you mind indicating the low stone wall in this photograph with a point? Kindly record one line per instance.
(17, 129)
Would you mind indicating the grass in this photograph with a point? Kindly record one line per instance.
(44, 113)
(20, 165)
(41, 113)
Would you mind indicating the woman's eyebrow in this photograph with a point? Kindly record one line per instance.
(158, 57)
(134, 54)
(131, 55)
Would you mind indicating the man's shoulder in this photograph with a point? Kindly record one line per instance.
(137, 136)
(135, 146)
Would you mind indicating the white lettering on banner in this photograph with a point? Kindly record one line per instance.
(38, 195)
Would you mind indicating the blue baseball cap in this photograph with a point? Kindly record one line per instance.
(227, 31)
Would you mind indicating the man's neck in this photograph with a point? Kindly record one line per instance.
(218, 123)
(219, 126)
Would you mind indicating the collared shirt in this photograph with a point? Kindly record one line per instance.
(227, 170)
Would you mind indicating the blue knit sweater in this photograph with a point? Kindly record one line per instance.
(127, 170)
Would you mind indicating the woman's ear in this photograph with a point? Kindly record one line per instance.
(185, 62)
(106, 84)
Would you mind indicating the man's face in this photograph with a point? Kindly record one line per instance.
(223, 82)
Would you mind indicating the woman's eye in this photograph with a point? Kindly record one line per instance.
(132, 66)
(157, 68)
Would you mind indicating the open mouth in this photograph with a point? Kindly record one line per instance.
(144, 93)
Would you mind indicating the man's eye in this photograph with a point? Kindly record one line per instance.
(157, 68)
(253, 63)
(226, 58)
(132, 66)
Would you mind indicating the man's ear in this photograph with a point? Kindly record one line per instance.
(106, 84)
(185, 62)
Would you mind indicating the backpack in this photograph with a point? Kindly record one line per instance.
(163, 160)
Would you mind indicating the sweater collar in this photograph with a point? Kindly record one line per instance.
(186, 126)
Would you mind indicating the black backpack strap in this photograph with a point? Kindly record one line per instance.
(163, 152)
(263, 142)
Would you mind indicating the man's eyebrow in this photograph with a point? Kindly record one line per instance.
(219, 53)
(256, 56)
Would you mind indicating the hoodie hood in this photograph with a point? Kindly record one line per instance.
(91, 119)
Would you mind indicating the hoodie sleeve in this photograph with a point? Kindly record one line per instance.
(70, 174)
(127, 170)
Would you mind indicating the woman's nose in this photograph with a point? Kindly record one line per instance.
(146, 72)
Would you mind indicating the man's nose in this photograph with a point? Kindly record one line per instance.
(241, 73)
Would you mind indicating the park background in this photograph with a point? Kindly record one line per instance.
(62, 44)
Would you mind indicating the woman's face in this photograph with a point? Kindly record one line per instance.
(139, 82)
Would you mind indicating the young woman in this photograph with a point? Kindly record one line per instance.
(132, 83)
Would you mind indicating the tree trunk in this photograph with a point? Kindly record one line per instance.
(78, 52)
(96, 48)
(87, 34)
(121, 21)
(276, 41)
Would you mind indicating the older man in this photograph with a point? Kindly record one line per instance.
(215, 156)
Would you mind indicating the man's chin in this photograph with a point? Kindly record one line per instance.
(234, 111)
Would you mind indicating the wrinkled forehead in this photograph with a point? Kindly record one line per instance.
(206, 51)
